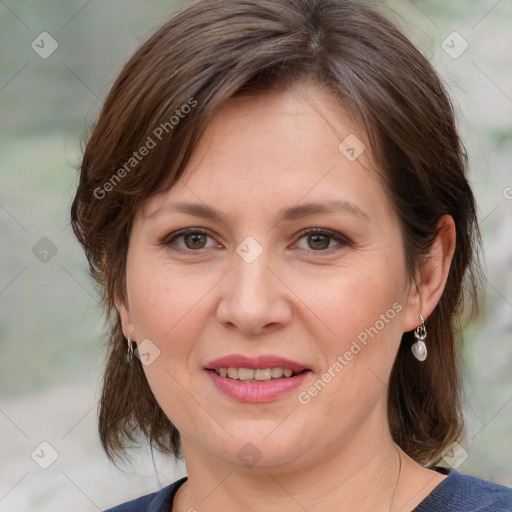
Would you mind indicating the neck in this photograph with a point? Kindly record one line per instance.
(361, 475)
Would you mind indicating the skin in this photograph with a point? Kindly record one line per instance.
(259, 154)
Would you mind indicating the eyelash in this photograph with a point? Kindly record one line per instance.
(341, 239)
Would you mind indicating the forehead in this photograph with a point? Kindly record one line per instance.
(271, 149)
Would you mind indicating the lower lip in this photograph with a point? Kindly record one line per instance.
(263, 391)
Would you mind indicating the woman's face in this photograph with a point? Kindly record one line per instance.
(254, 289)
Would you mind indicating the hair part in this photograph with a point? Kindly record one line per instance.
(218, 49)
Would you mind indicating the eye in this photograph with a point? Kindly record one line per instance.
(321, 239)
(190, 239)
(194, 240)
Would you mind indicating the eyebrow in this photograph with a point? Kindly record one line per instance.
(286, 214)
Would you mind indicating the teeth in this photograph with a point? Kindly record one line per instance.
(265, 374)
(277, 373)
(245, 374)
(233, 373)
(250, 375)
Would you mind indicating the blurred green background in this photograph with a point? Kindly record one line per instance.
(50, 322)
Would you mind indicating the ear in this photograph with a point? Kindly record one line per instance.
(121, 308)
(426, 292)
(126, 322)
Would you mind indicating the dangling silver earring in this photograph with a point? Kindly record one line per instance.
(419, 349)
(129, 355)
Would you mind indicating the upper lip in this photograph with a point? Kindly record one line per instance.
(263, 361)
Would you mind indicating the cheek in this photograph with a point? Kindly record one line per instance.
(171, 305)
(171, 302)
(362, 311)
(354, 300)
(162, 296)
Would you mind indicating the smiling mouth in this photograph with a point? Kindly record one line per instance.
(256, 375)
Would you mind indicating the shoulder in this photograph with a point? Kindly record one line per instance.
(465, 493)
(159, 501)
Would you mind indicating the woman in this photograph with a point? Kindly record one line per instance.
(274, 204)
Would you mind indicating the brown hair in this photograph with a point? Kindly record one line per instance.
(217, 49)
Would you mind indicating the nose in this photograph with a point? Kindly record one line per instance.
(253, 298)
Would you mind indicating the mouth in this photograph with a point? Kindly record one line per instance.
(259, 379)
(256, 374)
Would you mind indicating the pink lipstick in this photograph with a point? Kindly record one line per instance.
(256, 379)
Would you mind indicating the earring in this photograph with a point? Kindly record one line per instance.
(419, 349)
(129, 355)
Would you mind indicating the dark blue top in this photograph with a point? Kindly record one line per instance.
(457, 493)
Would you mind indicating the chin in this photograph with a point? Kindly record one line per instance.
(257, 451)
